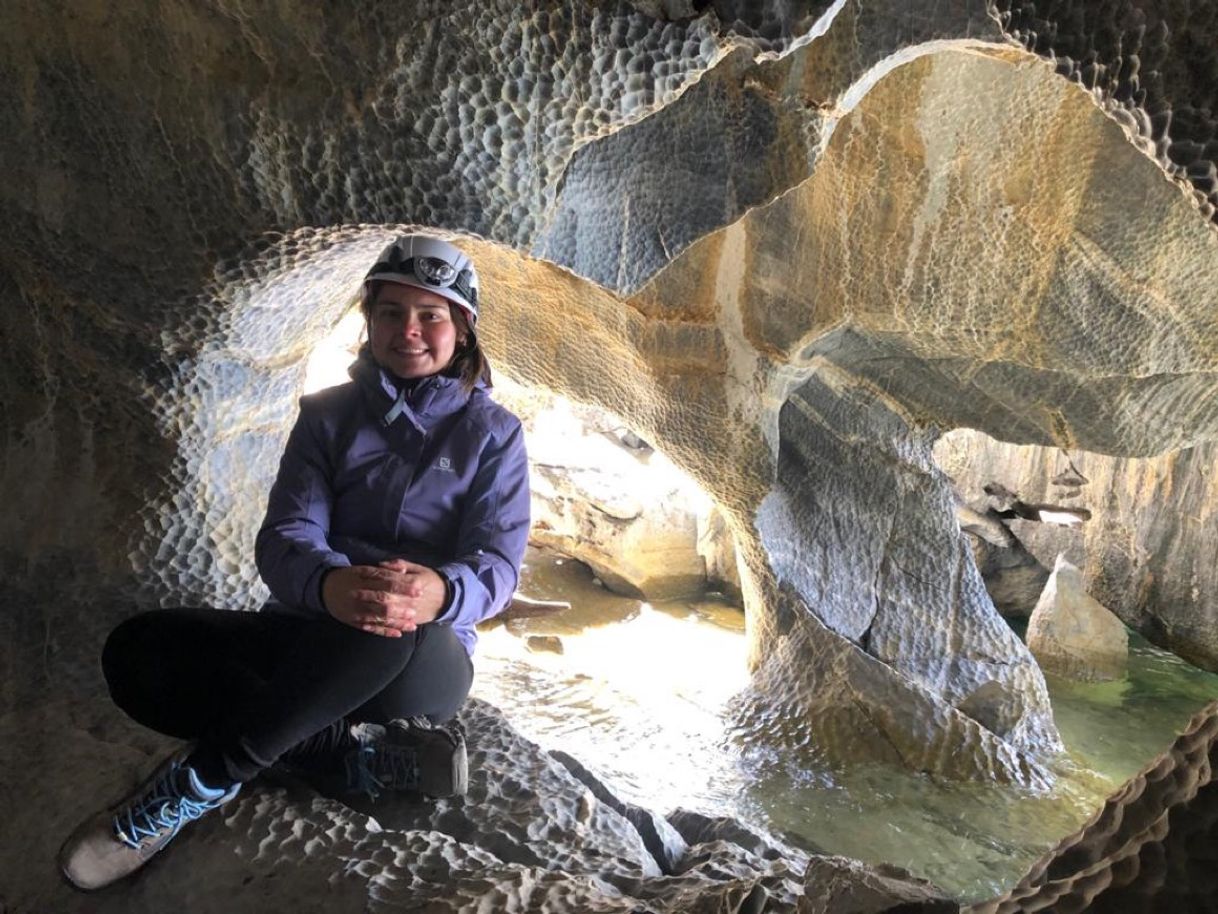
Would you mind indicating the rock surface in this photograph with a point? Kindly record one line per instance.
(1145, 553)
(1013, 577)
(606, 498)
(1150, 848)
(530, 835)
(846, 887)
(1072, 634)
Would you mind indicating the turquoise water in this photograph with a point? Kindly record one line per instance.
(640, 692)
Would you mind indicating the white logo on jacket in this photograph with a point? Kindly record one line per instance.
(444, 464)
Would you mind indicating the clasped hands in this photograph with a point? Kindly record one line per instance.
(388, 599)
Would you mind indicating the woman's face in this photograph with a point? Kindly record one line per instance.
(411, 331)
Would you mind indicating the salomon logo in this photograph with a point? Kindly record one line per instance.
(445, 464)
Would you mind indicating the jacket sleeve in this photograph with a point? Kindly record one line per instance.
(493, 534)
(292, 551)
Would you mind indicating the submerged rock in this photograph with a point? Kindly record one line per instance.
(551, 644)
(1071, 634)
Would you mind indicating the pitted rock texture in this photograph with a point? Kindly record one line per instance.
(1150, 848)
(847, 886)
(919, 203)
(1129, 55)
(528, 836)
(1143, 552)
(890, 510)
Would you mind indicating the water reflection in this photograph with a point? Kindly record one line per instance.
(640, 696)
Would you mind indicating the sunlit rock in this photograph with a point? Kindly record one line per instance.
(1072, 634)
(607, 498)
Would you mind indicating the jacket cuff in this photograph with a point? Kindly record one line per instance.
(454, 591)
(312, 590)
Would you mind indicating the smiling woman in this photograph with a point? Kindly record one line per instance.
(411, 332)
(421, 303)
(398, 520)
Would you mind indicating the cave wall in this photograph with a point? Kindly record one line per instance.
(1140, 548)
(721, 205)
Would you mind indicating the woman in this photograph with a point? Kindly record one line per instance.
(398, 520)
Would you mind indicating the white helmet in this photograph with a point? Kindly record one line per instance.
(430, 264)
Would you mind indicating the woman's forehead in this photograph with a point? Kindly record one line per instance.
(395, 293)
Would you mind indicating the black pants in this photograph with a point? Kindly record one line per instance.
(251, 687)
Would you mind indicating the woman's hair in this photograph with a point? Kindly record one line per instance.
(469, 364)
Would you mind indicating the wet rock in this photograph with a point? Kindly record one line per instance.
(665, 843)
(836, 885)
(523, 607)
(1072, 634)
(1146, 554)
(1150, 848)
(699, 828)
(544, 644)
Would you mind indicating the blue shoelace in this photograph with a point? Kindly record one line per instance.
(163, 808)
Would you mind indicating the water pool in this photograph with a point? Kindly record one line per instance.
(640, 693)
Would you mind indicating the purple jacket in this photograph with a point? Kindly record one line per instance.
(436, 476)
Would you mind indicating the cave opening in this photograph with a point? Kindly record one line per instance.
(626, 641)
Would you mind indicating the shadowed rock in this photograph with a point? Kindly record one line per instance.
(1150, 848)
(1140, 553)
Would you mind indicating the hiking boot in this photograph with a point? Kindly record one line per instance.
(412, 756)
(119, 840)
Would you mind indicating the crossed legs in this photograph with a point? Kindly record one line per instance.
(251, 687)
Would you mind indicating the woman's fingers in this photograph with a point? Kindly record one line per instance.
(382, 630)
(399, 617)
(385, 631)
(387, 580)
(382, 604)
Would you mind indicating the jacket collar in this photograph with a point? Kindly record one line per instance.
(422, 401)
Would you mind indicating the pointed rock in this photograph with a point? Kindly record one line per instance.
(1072, 634)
